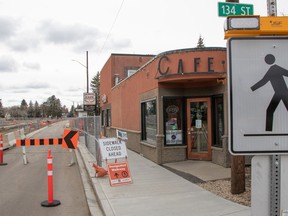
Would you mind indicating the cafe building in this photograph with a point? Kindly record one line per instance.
(173, 105)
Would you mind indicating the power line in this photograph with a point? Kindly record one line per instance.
(108, 35)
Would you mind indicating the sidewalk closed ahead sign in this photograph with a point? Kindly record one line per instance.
(112, 148)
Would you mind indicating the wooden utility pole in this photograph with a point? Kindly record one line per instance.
(237, 174)
(237, 164)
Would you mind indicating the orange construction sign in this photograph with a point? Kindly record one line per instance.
(119, 173)
(69, 140)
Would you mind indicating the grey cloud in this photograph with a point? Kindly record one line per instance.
(119, 43)
(8, 64)
(23, 43)
(58, 33)
(19, 90)
(88, 44)
(75, 89)
(37, 85)
(15, 38)
(80, 37)
(8, 27)
(28, 86)
(31, 65)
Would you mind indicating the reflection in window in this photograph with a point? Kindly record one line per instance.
(103, 121)
(149, 121)
(218, 121)
(108, 123)
(173, 121)
(199, 123)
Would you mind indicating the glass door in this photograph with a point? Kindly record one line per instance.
(199, 128)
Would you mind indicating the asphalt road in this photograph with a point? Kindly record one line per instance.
(24, 187)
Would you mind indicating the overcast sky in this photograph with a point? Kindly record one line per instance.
(39, 39)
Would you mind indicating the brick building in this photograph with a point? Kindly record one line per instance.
(173, 106)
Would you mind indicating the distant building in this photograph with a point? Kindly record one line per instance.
(173, 106)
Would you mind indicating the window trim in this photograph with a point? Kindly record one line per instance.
(214, 121)
(143, 119)
(108, 117)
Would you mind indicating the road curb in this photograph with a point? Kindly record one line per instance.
(88, 159)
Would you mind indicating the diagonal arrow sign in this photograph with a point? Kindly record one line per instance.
(69, 141)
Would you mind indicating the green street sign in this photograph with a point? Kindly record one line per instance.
(233, 9)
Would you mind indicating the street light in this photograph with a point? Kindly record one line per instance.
(86, 66)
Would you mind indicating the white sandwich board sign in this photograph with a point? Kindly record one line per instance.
(258, 95)
(112, 148)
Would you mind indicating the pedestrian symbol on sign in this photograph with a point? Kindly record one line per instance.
(275, 76)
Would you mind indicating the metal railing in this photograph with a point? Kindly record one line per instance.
(90, 129)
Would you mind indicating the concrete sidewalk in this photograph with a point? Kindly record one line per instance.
(201, 170)
(155, 191)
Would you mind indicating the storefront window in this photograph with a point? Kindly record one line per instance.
(218, 121)
(149, 121)
(173, 121)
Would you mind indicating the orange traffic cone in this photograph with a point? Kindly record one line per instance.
(100, 171)
(50, 202)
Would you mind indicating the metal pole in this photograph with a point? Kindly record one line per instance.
(271, 7)
(97, 131)
(25, 161)
(275, 160)
(86, 66)
(275, 185)
(87, 72)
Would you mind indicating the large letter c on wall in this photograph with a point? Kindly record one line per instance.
(159, 65)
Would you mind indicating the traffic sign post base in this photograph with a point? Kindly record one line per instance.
(53, 204)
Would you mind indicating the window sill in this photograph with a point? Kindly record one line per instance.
(217, 148)
(175, 146)
(148, 144)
